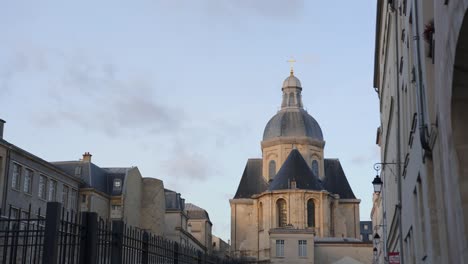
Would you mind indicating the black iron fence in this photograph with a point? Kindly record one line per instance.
(70, 238)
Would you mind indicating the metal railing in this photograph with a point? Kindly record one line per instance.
(70, 238)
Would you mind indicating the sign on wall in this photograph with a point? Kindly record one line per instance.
(394, 257)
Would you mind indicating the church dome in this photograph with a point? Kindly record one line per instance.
(292, 123)
(292, 82)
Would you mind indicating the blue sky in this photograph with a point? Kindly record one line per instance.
(183, 89)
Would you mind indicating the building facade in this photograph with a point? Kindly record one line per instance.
(421, 77)
(200, 225)
(29, 182)
(293, 205)
(119, 194)
(177, 222)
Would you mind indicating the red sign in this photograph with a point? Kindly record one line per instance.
(394, 257)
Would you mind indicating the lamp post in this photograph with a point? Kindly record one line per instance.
(378, 184)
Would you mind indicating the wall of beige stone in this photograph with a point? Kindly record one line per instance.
(331, 253)
(153, 206)
(244, 228)
(291, 248)
(97, 203)
(132, 197)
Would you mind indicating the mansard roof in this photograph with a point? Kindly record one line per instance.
(335, 180)
(295, 169)
(252, 181)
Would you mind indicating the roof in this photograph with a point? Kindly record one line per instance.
(295, 169)
(252, 181)
(292, 123)
(335, 180)
(195, 212)
(102, 179)
(292, 81)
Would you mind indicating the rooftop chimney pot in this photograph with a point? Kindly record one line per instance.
(2, 124)
(87, 157)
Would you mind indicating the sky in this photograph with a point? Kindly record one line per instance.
(183, 89)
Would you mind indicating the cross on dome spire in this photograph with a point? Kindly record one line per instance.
(291, 62)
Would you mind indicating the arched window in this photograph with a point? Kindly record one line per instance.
(291, 99)
(310, 213)
(332, 220)
(260, 216)
(315, 167)
(271, 169)
(281, 212)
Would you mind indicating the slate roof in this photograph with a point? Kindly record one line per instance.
(335, 180)
(93, 176)
(296, 169)
(292, 123)
(252, 181)
(174, 201)
(195, 212)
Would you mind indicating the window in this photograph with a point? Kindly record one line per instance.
(42, 187)
(27, 183)
(117, 185)
(73, 199)
(282, 212)
(260, 216)
(24, 220)
(291, 99)
(65, 192)
(279, 248)
(310, 213)
(271, 169)
(116, 207)
(78, 171)
(52, 192)
(83, 198)
(14, 214)
(302, 248)
(16, 178)
(315, 167)
(366, 227)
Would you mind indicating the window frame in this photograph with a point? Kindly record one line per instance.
(29, 173)
(65, 198)
(51, 196)
(282, 213)
(310, 220)
(302, 248)
(16, 177)
(280, 248)
(44, 187)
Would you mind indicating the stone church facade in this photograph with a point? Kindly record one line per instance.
(293, 205)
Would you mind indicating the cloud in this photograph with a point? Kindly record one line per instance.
(94, 95)
(185, 164)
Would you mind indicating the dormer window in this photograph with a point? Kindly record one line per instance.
(117, 185)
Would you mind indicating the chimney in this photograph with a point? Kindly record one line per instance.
(2, 123)
(87, 157)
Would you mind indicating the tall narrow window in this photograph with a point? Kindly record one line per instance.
(42, 187)
(315, 167)
(52, 191)
(282, 213)
(73, 199)
(310, 213)
(271, 169)
(332, 219)
(65, 192)
(291, 99)
(280, 248)
(27, 183)
(302, 248)
(16, 177)
(260, 216)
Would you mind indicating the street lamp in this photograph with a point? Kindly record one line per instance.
(375, 252)
(376, 238)
(377, 182)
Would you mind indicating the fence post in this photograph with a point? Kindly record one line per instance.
(176, 253)
(199, 256)
(51, 233)
(144, 255)
(89, 238)
(117, 242)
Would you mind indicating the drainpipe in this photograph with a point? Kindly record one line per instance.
(398, 161)
(421, 94)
